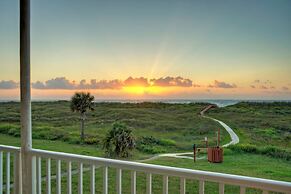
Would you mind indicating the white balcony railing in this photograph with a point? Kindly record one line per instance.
(7, 152)
(183, 174)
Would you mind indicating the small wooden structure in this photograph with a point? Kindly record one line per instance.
(215, 154)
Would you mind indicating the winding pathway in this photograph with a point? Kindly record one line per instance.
(233, 136)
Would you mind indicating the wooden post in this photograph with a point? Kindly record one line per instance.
(206, 142)
(25, 96)
(218, 137)
(194, 152)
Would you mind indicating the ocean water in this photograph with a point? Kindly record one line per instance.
(219, 103)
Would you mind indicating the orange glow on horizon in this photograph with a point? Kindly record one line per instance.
(141, 90)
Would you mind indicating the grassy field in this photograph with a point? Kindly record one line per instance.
(259, 124)
(179, 125)
(174, 127)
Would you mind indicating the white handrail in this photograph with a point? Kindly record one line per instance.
(251, 182)
(9, 148)
(149, 169)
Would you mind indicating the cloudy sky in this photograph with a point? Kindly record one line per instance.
(151, 49)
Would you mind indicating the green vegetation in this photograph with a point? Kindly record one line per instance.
(259, 124)
(119, 141)
(271, 151)
(178, 126)
(234, 163)
(82, 102)
(264, 131)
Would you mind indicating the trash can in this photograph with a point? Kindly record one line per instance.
(215, 154)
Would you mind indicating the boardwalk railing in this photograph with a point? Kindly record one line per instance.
(6, 153)
(183, 174)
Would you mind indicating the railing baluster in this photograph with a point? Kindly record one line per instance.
(133, 182)
(242, 190)
(33, 174)
(105, 180)
(16, 173)
(39, 175)
(48, 176)
(165, 184)
(149, 183)
(69, 177)
(92, 179)
(182, 185)
(1, 172)
(80, 185)
(221, 188)
(201, 187)
(8, 173)
(118, 181)
(59, 176)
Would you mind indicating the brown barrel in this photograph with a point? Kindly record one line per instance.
(215, 155)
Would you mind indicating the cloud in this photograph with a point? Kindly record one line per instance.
(285, 88)
(257, 81)
(56, 83)
(141, 81)
(221, 84)
(38, 85)
(252, 86)
(264, 87)
(10, 84)
(172, 81)
(63, 83)
(102, 84)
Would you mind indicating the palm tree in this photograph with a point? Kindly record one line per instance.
(119, 141)
(82, 102)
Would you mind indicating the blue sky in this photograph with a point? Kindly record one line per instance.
(236, 42)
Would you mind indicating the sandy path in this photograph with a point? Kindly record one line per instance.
(233, 136)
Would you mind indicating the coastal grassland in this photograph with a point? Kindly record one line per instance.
(234, 163)
(164, 127)
(258, 124)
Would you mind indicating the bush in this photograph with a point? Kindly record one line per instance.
(50, 134)
(272, 151)
(276, 152)
(90, 140)
(151, 149)
(4, 128)
(167, 142)
(14, 132)
(119, 141)
(74, 140)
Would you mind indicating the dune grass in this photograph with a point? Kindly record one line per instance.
(259, 124)
(179, 124)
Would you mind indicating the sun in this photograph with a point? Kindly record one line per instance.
(142, 90)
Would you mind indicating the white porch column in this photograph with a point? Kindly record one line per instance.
(26, 143)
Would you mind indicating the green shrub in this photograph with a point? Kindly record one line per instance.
(91, 140)
(52, 134)
(4, 128)
(150, 149)
(14, 132)
(74, 140)
(276, 152)
(167, 142)
(271, 151)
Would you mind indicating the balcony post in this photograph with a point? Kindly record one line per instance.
(25, 97)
